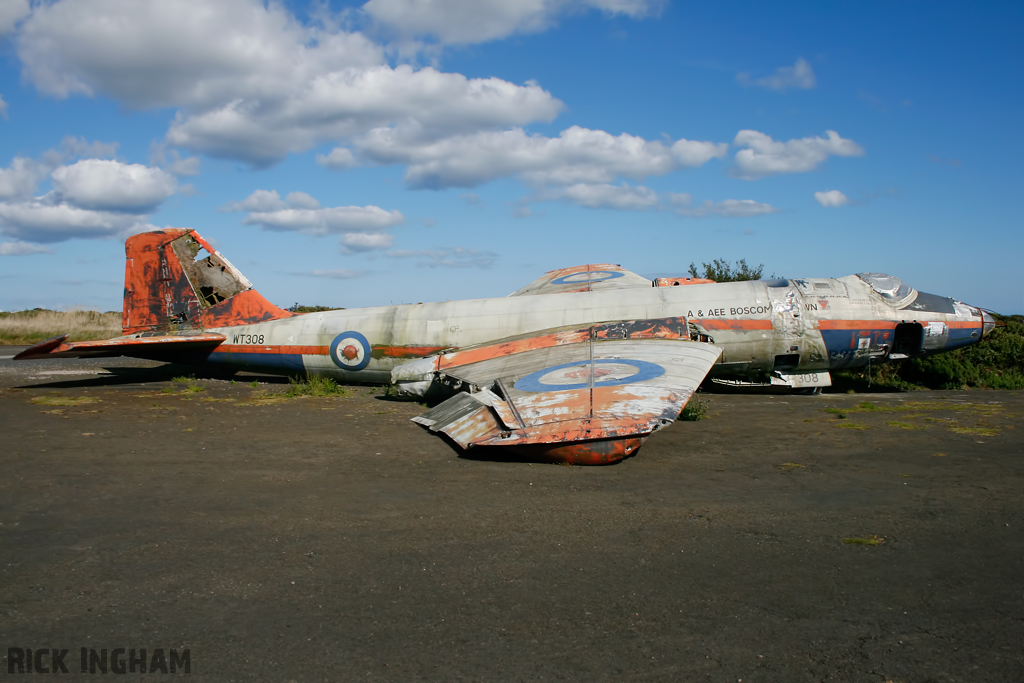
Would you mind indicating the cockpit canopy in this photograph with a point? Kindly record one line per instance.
(892, 289)
(901, 295)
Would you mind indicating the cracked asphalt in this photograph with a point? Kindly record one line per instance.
(782, 538)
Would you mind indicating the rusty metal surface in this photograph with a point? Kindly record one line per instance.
(120, 346)
(167, 290)
(590, 390)
(605, 452)
(677, 281)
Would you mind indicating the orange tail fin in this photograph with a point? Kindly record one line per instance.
(170, 287)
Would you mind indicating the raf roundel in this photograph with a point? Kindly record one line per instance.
(350, 351)
(607, 372)
(587, 276)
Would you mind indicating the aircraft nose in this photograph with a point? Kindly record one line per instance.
(989, 324)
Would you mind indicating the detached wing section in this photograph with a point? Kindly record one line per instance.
(580, 397)
(156, 347)
(588, 278)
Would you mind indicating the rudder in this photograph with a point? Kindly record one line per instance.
(169, 287)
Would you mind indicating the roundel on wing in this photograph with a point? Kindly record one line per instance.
(350, 351)
(587, 276)
(608, 372)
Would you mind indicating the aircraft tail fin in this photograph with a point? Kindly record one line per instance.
(170, 286)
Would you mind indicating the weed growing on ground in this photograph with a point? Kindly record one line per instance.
(975, 431)
(696, 409)
(63, 400)
(317, 387)
(865, 540)
(903, 425)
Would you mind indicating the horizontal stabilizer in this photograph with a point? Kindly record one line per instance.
(157, 347)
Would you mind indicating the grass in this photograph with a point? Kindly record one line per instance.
(787, 466)
(864, 540)
(975, 431)
(32, 327)
(903, 425)
(696, 409)
(63, 400)
(852, 425)
(317, 387)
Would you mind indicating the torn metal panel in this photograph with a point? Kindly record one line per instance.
(213, 278)
(592, 390)
(168, 290)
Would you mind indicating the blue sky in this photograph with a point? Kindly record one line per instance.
(395, 151)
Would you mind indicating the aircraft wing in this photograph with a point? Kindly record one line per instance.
(156, 347)
(588, 278)
(612, 381)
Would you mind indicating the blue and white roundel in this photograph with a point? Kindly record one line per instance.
(608, 372)
(587, 276)
(350, 351)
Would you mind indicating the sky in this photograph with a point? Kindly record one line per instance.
(396, 151)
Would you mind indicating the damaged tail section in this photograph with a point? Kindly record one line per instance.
(171, 286)
(176, 286)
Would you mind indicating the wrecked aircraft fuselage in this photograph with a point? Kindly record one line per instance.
(579, 366)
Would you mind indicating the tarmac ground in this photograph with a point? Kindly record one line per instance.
(869, 537)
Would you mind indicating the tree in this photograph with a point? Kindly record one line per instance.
(719, 270)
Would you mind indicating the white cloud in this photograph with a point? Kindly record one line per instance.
(424, 103)
(800, 75)
(339, 273)
(260, 200)
(729, 208)
(22, 248)
(301, 200)
(19, 181)
(338, 159)
(43, 220)
(251, 81)
(449, 257)
(577, 155)
(72, 147)
(302, 213)
(477, 21)
(107, 185)
(11, 12)
(355, 242)
(92, 198)
(178, 53)
(604, 196)
(765, 156)
(831, 198)
(172, 160)
(3, 107)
